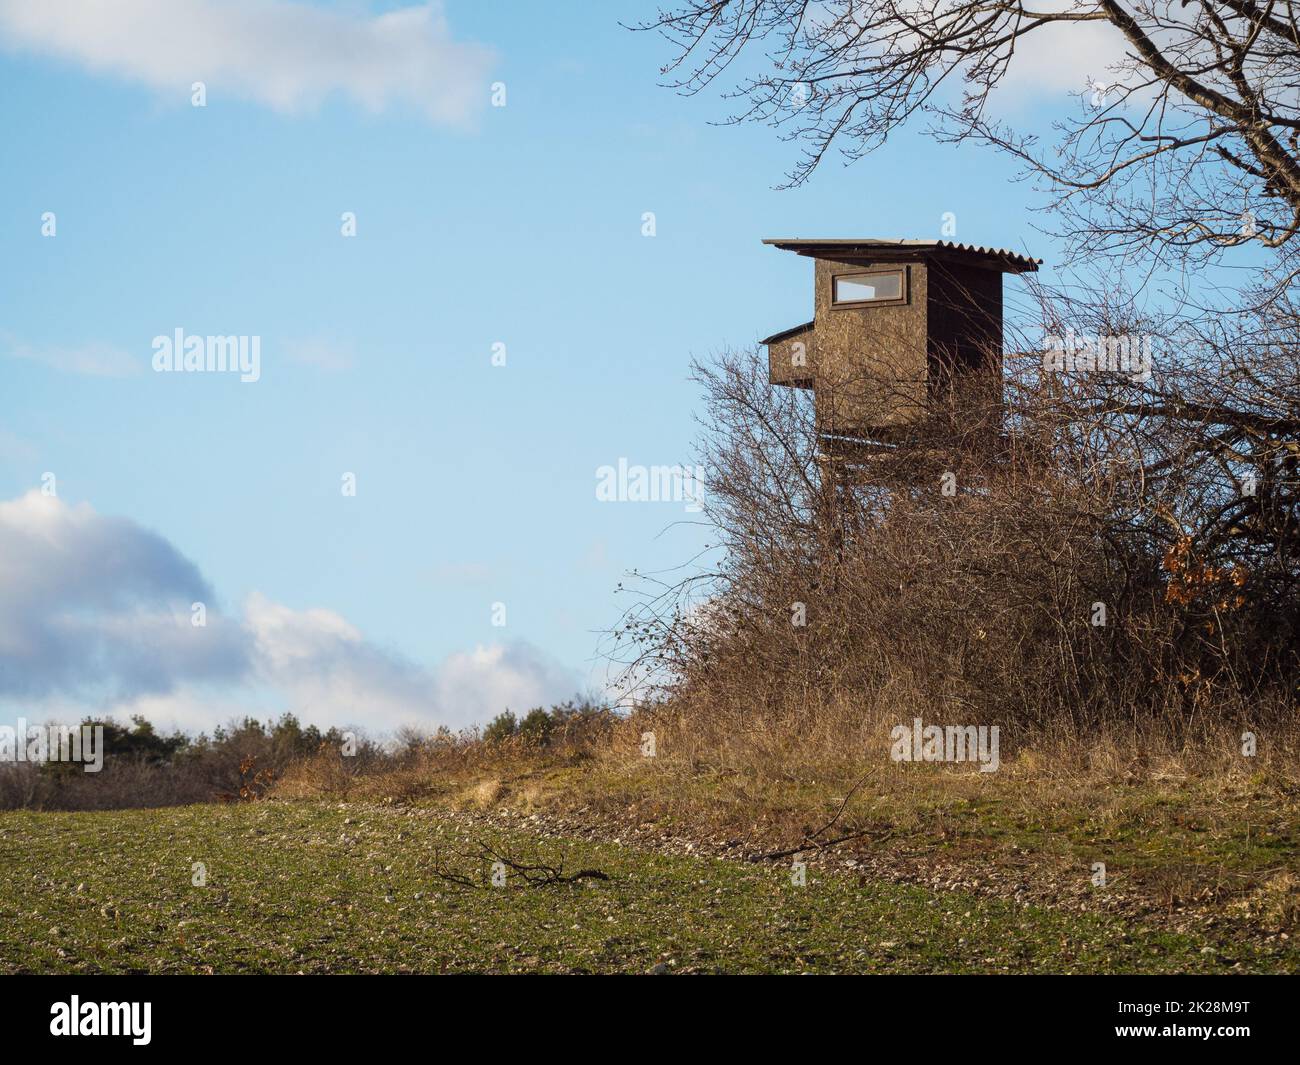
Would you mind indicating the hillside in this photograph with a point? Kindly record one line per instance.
(321, 887)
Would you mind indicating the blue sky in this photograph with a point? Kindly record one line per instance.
(476, 225)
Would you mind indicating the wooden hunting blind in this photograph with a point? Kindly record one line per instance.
(897, 326)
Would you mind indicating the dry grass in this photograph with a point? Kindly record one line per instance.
(1189, 835)
(463, 771)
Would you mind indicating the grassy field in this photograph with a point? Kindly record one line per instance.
(325, 887)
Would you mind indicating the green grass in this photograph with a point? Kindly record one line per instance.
(313, 887)
(1214, 848)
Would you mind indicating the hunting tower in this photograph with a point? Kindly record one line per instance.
(898, 326)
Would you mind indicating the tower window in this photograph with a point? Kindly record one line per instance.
(880, 287)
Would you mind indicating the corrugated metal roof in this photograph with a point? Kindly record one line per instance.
(823, 248)
(788, 332)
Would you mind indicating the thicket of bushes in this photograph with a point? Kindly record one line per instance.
(250, 759)
(541, 727)
(143, 767)
(1076, 567)
(420, 764)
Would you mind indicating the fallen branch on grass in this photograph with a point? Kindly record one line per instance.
(534, 874)
(811, 842)
(881, 835)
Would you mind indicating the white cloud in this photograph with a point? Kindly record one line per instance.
(1064, 58)
(329, 674)
(321, 353)
(93, 359)
(97, 605)
(516, 676)
(95, 613)
(287, 55)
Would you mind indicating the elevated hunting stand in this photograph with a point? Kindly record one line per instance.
(902, 330)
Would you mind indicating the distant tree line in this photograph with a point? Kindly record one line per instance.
(144, 767)
(247, 759)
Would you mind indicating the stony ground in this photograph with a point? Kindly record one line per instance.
(332, 887)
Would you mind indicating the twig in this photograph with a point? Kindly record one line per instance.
(534, 874)
(809, 844)
(810, 841)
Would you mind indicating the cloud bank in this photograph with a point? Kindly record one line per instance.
(96, 612)
(92, 360)
(288, 56)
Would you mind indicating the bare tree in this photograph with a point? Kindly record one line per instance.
(1169, 498)
(1189, 148)
(1094, 567)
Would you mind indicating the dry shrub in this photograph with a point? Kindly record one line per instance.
(463, 764)
(1049, 593)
